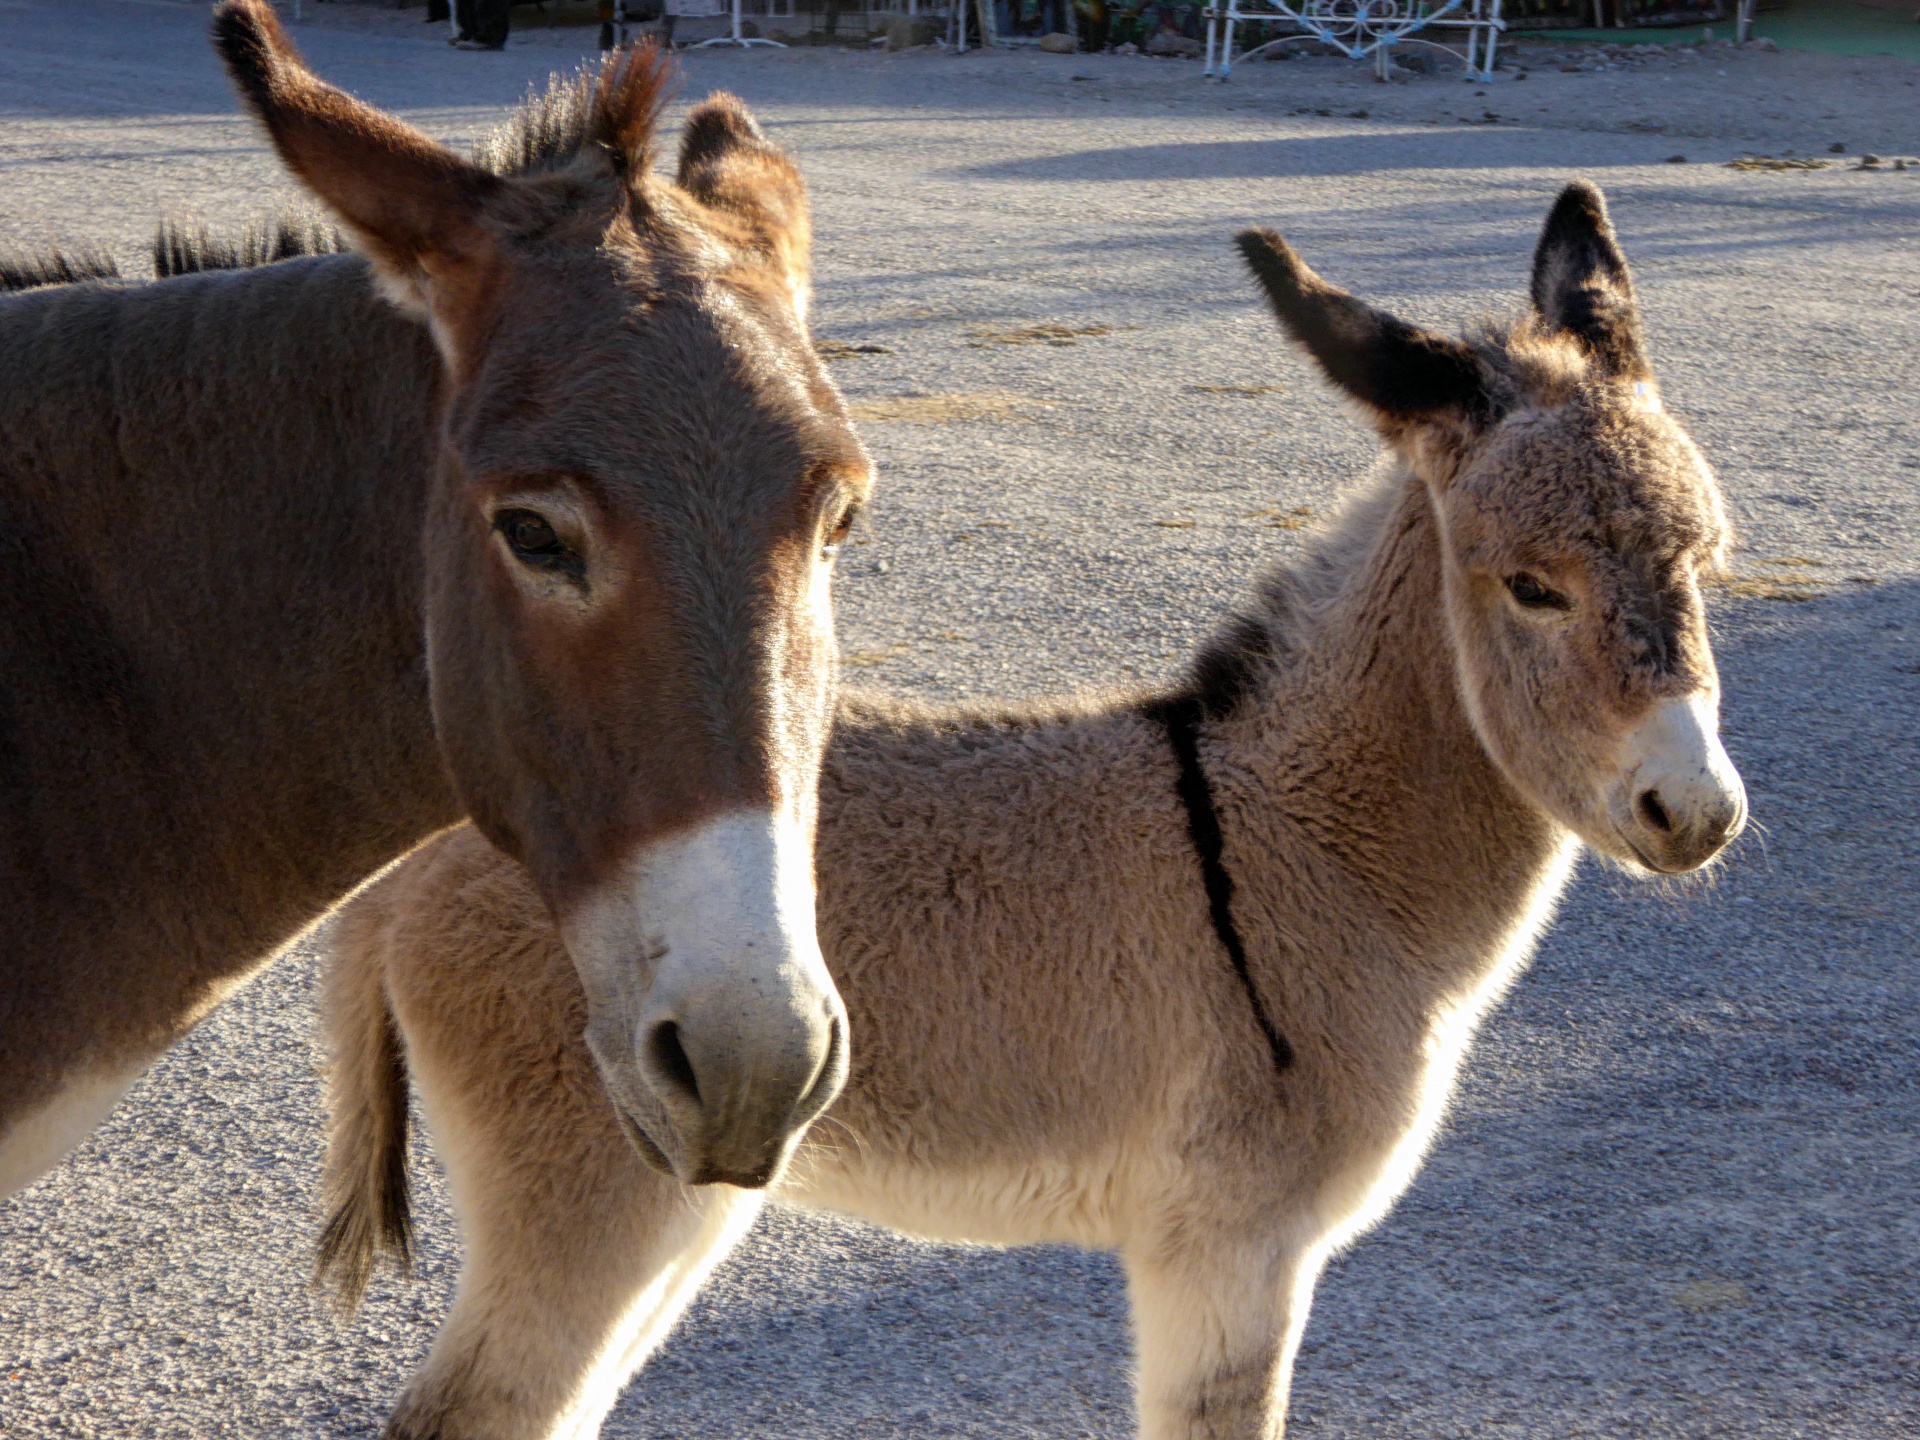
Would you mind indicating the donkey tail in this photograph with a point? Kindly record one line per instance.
(368, 1204)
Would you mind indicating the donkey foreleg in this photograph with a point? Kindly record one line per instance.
(545, 1332)
(578, 1259)
(1216, 1331)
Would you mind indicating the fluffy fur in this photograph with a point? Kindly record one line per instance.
(1049, 1042)
(240, 507)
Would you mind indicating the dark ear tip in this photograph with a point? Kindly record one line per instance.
(1261, 242)
(1581, 201)
(721, 115)
(1272, 261)
(251, 42)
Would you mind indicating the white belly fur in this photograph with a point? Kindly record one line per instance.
(42, 1138)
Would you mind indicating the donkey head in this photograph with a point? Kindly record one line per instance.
(644, 476)
(1575, 521)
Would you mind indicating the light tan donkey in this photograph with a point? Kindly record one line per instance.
(1188, 976)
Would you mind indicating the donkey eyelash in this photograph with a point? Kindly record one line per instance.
(531, 539)
(837, 536)
(1532, 595)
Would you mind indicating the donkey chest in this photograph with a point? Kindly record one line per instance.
(1384, 1103)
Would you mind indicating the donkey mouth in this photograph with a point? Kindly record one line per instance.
(1642, 856)
(652, 1154)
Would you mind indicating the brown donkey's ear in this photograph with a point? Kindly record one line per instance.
(728, 165)
(1581, 284)
(1400, 372)
(412, 204)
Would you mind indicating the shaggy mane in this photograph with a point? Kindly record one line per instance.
(57, 267)
(179, 249)
(612, 108)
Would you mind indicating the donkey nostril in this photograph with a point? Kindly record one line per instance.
(671, 1065)
(1654, 813)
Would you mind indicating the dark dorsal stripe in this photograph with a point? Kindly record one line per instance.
(1182, 718)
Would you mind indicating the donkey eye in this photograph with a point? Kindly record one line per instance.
(533, 543)
(1535, 596)
(837, 536)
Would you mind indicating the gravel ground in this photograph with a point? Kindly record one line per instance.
(1676, 1197)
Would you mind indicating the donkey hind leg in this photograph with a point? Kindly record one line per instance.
(562, 1296)
(1216, 1331)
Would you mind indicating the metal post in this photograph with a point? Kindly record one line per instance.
(1743, 25)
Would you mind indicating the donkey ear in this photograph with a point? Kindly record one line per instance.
(412, 205)
(1581, 284)
(1400, 372)
(728, 165)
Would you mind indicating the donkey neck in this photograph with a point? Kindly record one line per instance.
(213, 701)
(1365, 756)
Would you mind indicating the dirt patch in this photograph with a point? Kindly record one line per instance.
(944, 409)
(1703, 1295)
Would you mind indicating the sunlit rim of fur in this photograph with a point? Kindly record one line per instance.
(613, 107)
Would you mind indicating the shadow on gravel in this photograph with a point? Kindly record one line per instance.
(1359, 154)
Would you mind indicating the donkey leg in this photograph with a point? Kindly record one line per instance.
(1216, 1329)
(556, 1311)
(578, 1260)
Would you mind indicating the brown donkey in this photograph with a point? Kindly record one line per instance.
(288, 586)
(1189, 976)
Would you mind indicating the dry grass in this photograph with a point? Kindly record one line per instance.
(1047, 332)
(846, 350)
(1702, 1295)
(1298, 518)
(1792, 586)
(1767, 162)
(881, 656)
(1769, 587)
(943, 409)
(1237, 389)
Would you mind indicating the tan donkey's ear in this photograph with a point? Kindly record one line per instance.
(412, 205)
(1581, 284)
(728, 165)
(1401, 373)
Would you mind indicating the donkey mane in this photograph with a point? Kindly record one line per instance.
(612, 109)
(56, 267)
(183, 249)
(1266, 632)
